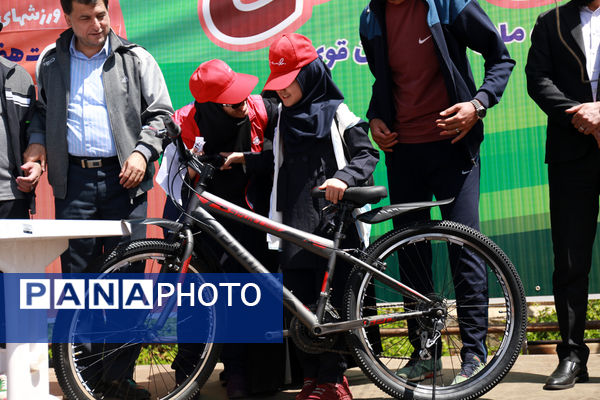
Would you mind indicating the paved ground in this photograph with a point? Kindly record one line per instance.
(524, 381)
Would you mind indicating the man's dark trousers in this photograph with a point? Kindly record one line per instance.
(95, 193)
(574, 192)
(418, 172)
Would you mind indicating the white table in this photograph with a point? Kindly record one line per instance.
(29, 246)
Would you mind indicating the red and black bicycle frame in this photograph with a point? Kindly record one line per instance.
(199, 211)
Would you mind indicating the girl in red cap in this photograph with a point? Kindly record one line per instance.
(226, 119)
(308, 152)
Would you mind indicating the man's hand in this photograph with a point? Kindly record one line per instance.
(586, 119)
(33, 172)
(35, 152)
(232, 158)
(133, 170)
(381, 134)
(334, 189)
(461, 118)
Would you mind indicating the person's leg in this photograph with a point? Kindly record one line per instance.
(321, 372)
(332, 365)
(234, 357)
(264, 362)
(408, 171)
(14, 209)
(301, 282)
(574, 190)
(80, 204)
(459, 178)
(305, 283)
(114, 203)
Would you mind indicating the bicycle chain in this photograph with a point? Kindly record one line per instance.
(302, 338)
(313, 348)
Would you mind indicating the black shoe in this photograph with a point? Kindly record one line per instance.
(236, 387)
(566, 374)
(126, 389)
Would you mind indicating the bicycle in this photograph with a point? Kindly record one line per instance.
(376, 306)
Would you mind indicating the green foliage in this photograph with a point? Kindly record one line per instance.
(157, 354)
(400, 346)
(548, 314)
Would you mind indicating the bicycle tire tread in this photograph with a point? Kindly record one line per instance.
(502, 367)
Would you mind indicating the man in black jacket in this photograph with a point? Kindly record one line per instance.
(562, 78)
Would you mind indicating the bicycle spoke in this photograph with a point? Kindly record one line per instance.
(81, 366)
(441, 253)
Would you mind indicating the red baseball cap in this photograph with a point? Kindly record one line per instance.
(216, 82)
(287, 55)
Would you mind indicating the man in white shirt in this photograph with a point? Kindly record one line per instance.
(101, 98)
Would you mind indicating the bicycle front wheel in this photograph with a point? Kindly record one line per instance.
(167, 371)
(480, 311)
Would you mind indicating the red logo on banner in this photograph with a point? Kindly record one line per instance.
(29, 27)
(521, 3)
(244, 25)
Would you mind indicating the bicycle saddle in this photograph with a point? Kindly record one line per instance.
(358, 195)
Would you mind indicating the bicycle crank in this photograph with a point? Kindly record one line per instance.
(311, 344)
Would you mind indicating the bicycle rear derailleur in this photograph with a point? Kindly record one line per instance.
(431, 327)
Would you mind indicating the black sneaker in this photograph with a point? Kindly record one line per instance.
(236, 387)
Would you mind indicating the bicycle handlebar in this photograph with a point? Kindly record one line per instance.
(204, 164)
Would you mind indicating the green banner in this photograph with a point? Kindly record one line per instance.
(514, 186)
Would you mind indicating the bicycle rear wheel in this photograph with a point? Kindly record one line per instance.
(381, 352)
(167, 371)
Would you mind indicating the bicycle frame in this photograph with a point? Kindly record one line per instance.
(197, 214)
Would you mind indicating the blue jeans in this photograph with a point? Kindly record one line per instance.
(418, 172)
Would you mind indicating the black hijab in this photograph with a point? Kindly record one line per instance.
(221, 132)
(310, 119)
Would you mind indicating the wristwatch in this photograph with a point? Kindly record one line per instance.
(479, 108)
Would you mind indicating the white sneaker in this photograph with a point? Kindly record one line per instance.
(3, 381)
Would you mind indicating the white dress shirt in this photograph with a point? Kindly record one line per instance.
(590, 23)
